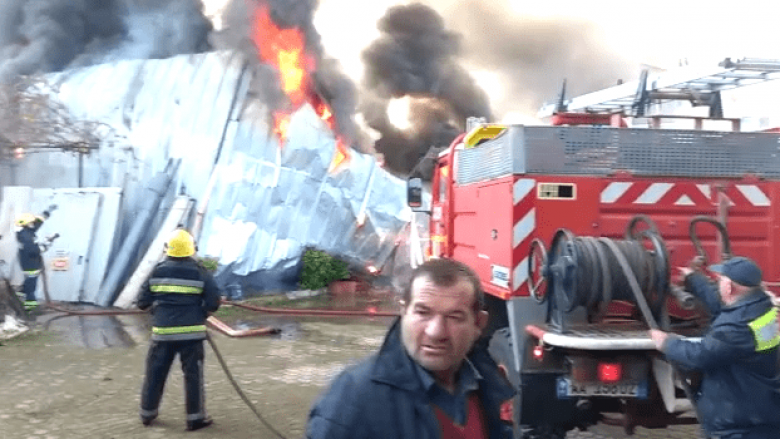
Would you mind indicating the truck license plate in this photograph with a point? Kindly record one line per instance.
(567, 389)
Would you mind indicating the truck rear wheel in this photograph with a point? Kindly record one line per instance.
(500, 348)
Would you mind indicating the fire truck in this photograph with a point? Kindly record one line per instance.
(576, 230)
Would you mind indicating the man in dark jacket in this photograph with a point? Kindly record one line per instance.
(739, 396)
(430, 379)
(30, 253)
(180, 293)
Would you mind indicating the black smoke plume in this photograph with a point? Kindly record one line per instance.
(417, 56)
(532, 56)
(42, 36)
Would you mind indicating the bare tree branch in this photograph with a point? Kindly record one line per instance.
(32, 118)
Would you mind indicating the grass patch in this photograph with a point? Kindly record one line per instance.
(281, 301)
(322, 301)
(33, 337)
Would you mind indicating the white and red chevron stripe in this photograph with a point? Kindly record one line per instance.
(524, 212)
(679, 194)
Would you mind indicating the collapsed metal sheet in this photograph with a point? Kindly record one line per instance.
(269, 201)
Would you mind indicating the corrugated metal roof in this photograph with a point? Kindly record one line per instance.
(268, 202)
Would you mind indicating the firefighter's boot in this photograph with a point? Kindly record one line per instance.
(200, 423)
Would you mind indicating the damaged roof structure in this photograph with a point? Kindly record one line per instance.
(190, 127)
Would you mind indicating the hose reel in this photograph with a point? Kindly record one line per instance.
(590, 272)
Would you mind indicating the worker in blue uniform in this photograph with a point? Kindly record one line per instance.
(739, 395)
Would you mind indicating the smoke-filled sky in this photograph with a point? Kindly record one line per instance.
(39, 36)
(520, 50)
(402, 76)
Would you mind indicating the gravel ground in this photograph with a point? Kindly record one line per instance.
(80, 377)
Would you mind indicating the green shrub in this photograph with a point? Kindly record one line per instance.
(209, 264)
(320, 269)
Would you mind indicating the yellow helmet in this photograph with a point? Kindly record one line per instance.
(25, 219)
(181, 244)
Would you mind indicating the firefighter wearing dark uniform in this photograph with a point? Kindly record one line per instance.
(180, 293)
(30, 254)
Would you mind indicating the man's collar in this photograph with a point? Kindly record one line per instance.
(752, 295)
(468, 376)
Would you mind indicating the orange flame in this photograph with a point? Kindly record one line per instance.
(340, 157)
(286, 49)
(281, 125)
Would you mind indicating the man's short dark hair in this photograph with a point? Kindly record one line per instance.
(446, 272)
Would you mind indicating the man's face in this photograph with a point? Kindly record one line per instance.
(439, 325)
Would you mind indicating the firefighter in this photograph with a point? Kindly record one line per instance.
(739, 395)
(30, 253)
(181, 294)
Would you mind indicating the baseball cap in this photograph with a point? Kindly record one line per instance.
(741, 270)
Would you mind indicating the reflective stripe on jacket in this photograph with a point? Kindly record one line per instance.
(766, 331)
(173, 285)
(181, 293)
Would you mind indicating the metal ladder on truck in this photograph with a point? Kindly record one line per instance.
(701, 86)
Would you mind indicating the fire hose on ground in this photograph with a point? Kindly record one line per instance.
(227, 330)
(214, 323)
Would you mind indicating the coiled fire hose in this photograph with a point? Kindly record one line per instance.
(583, 269)
(586, 273)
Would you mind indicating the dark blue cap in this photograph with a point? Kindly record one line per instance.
(740, 270)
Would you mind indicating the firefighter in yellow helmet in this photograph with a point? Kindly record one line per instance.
(181, 294)
(30, 259)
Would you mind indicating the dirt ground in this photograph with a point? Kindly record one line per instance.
(80, 377)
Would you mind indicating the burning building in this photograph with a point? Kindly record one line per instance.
(264, 182)
(252, 124)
